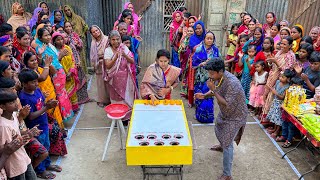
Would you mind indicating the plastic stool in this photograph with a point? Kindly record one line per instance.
(121, 132)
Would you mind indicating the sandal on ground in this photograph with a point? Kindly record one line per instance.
(281, 139)
(55, 168)
(223, 177)
(216, 148)
(46, 175)
(286, 144)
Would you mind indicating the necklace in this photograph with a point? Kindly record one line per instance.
(219, 82)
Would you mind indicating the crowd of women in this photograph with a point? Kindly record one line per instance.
(267, 58)
(48, 47)
(43, 61)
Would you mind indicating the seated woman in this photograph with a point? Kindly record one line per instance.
(160, 78)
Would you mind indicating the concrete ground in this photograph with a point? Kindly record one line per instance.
(256, 157)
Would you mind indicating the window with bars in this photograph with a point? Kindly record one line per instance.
(169, 7)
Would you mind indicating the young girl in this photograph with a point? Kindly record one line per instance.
(270, 21)
(258, 86)
(175, 37)
(232, 42)
(245, 61)
(288, 129)
(184, 53)
(241, 41)
(304, 55)
(267, 52)
(274, 115)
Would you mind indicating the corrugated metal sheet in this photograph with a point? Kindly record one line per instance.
(259, 8)
(195, 7)
(153, 38)
(306, 13)
(111, 11)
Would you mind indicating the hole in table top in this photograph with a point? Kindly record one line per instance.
(139, 136)
(166, 136)
(178, 136)
(144, 143)
(174, 143)
(159, 143)
(151, 136)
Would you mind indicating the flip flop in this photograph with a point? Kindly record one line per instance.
(46, 175)
(216, 148)
(55, 168)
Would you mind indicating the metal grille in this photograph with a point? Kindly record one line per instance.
(169, 7)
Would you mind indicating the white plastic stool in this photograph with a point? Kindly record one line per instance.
(121, 132)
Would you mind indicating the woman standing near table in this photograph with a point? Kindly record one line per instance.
(120, 81)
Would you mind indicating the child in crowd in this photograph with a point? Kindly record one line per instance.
(232, 39)
(311, 74)
(5, 54)
(18, 165)
(127, 41)
(245, 62)
(31, 95)
(278, 47)
(274, 115)
(257, 87)
(304, 55)
(34, 148)
(241, 41)
(288, 129)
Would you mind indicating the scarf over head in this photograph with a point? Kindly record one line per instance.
(97, 47)
(195, 39)
(135, 17)
(61, 23)
(34, 19)
(17, 20)
(317, 29)
(175, 25)
(4, 40)
(79, 25)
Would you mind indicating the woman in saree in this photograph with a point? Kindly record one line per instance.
(314, 34)
(98, 45)
(184, 53)
(119, 78)
(271, 19)
(160, 78)
(175, 36)
(284, 59)
(204, 52)
(33, 21)
(75, 43)
(19, 16)
(197, 38)
(136, 18)
(45, 7)
(57, 143)
(43, 48)
(81, 28)
(70, 69)
(22, 43)
(297, 32)
(57, 18)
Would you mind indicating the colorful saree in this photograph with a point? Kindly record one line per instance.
(121, 84)
(72, 81)
(59, 80)
(75, 43)
(204, 108)
(285, 61)
(47, 87)
(154, 79)
(81, 28)
(96, 57)
(184, 54)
